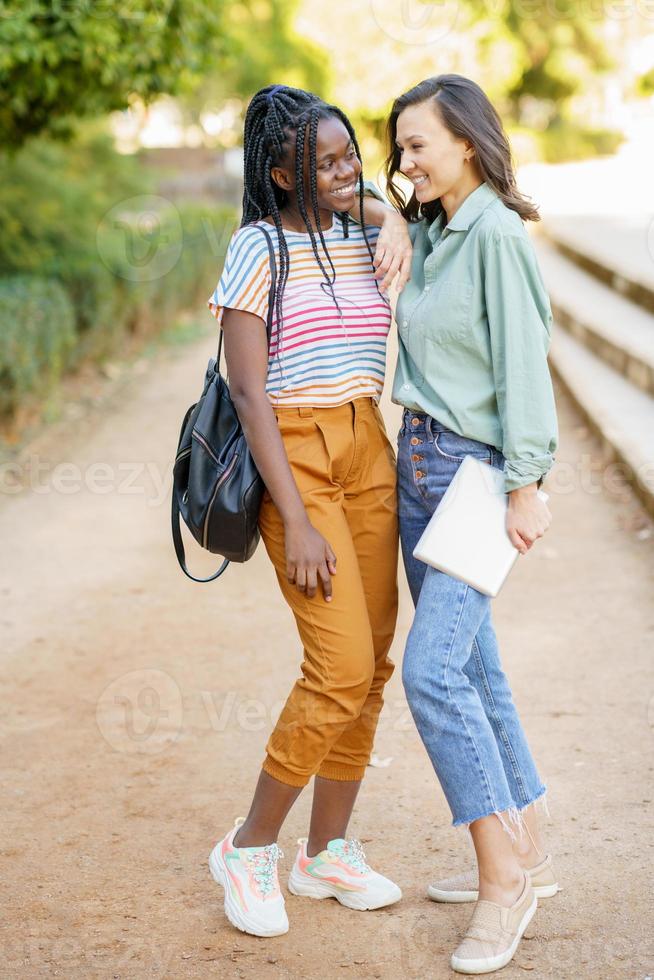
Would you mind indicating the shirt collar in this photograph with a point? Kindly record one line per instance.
(467, 212)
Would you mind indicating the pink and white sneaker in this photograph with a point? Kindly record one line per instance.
(253, 901)
(341, 872)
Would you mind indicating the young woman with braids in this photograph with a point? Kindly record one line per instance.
(472, 375)
(328, 520)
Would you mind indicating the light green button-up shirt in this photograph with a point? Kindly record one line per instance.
(474, 327)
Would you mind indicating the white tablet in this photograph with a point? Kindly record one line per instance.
(466, 536)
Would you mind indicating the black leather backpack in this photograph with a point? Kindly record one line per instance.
(217, 488)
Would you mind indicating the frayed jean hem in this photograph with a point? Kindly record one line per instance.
(511, 816)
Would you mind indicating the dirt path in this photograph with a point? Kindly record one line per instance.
(136, 706)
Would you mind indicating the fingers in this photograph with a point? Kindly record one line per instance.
(325, 578)
(312, 583)
(306, 579)
(330, 563)
(518, 541)
(405, 273)
(378, 257)
(524, 540)
(389, 263)
(301, 578)
(389, 275)
(307, 570)
(527, 521)
(382, 260)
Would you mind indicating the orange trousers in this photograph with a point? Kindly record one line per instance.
(344, 467)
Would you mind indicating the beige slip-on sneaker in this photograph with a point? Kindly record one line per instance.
(493, 934)
(465, 887)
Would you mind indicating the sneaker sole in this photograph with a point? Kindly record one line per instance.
(312, 888)
(232, 909)
(488, 964)
(451, 897)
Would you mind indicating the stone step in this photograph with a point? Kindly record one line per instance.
(608, 324)
(618, 251)
(621, 414)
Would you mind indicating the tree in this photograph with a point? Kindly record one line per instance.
(563, 50)
(517, 50)
(75, 58)
(263, 48)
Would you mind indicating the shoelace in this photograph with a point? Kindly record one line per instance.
(353, 855)
(264, 864)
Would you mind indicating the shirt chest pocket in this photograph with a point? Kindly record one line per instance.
(451, 312)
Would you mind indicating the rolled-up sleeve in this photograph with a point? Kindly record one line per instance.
(520, 325)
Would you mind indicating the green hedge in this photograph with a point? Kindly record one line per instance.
(83, 237)
(37, 335)
(45, 323)
(563, 141)
(179, 261)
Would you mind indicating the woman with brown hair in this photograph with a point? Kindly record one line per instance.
(474, 324)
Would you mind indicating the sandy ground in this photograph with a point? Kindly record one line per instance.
(136, 706)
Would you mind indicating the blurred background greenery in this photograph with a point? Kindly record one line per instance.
(120, 126)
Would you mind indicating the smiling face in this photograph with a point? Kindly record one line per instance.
(430, 155)
(337, 168)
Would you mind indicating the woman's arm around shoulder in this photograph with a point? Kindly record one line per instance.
(394, 247)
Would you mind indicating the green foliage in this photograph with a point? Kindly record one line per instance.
(564, 140)
(89, 257)
(52, 197)
(167, 264)
(645, 84)
(561, 45)
(88, 57)
(261, 48)
(264, 48)
(37, 335)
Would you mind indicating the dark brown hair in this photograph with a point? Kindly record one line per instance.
(468, 114)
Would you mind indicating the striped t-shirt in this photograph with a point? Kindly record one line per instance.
(320, 357)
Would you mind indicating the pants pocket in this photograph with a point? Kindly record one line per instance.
(452, 446)
(307, 450)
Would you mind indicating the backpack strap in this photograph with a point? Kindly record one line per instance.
(179, 546)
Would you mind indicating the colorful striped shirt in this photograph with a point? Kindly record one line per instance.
(320, 356)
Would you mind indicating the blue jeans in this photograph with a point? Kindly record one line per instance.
(457, 691)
